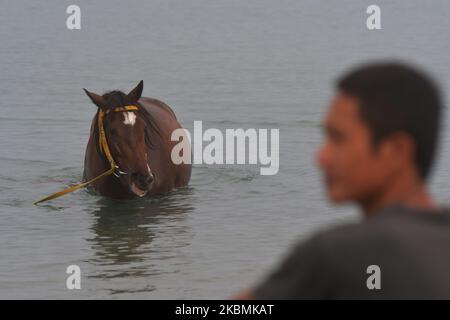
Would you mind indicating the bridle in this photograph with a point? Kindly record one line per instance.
(103, 142)
(104, 149)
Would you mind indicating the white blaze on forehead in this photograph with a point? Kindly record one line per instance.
(130, 118)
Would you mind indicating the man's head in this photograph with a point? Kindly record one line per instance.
(383, 123)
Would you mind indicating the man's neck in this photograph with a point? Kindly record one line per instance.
(407, 190)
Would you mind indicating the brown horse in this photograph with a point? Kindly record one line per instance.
(138, 133)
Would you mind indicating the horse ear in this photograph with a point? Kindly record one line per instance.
(96, 99)
(136, 93)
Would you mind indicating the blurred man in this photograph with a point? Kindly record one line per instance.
(381, 135)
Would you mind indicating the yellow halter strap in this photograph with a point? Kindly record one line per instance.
(104, 148)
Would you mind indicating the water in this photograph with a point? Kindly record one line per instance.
(232, 64)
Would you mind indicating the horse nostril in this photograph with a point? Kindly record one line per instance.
(149, 179)
(142, 181)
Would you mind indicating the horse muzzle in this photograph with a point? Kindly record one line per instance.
(140, 184)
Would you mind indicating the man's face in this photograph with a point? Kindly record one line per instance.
(353, 169)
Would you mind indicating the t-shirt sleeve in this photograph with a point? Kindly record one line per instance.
(304, 274)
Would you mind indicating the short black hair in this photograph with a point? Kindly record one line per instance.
(396, 97)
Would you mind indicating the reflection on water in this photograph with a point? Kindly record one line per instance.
(124, 233)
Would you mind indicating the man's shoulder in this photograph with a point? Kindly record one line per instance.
(351, 238)
(386, 235)
(334, 262)
(349, 232)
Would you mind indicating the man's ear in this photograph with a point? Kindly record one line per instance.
(136, 93)
(400, 149)
(96, 99)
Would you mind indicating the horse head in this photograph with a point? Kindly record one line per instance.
(126, 129)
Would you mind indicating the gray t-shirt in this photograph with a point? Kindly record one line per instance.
(410, 249)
